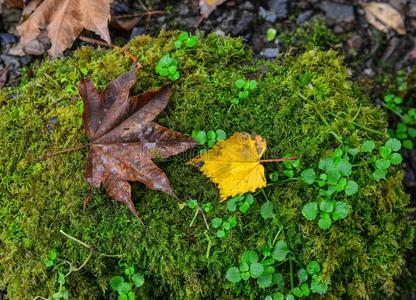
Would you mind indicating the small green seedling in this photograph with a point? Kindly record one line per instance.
(185, 40)
(290, 166)
(393, 102)
(405, 130)
(262, 270)
(309, 282)
(243, 203)
(62, 292)
(406, 134)
(329, 210)
(266, 210)
(124, 285)
(336, 169)
(388, 155)
(271, 34)
(244, 87)
(199, 209)
(209, 138)
(51, 258)
(309, 279)
(51, 261)
(168, 67)
(251, 267)
(223, 227)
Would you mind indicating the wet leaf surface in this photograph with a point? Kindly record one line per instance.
(124, 138)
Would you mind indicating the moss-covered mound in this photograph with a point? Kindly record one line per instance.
(304, 105)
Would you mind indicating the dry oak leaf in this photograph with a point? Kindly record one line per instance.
(382, 16)
(234, 164)
(64, 20)
(124, 140)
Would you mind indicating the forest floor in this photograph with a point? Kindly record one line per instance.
(382, 63)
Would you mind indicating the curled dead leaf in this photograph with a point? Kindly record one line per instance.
(63, 20)
(383, 17)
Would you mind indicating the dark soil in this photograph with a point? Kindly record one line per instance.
(374, 58)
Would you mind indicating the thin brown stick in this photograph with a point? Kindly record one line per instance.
(96, 42)
(105, 44)
(148, 13)
(278, 159)
(72, 149)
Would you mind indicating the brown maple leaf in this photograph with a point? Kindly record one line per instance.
(63, 21)
(124, 138)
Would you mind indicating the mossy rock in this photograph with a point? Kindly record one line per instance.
(303, 105)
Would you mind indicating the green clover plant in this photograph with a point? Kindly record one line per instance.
(387, 155)
(223, 227)
(333, 178)
(51, 262)
(244, 88)
(125, 285)
(186, 40)
(209, 138)
(242, 202)
(405, 130)
(168, 67)
(329, 211)
(198, 209)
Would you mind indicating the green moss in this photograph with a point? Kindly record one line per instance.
(300, 104)
(314, 34)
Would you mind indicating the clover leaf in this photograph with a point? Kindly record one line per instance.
(233, 275)
(310, 210)
(249, 257)
(341, 210)
(280, 250)
(368, 146)
(266, 210)
(313, 267)
(308, 176)
(265, 281)
(256, 269)
(351, 188)
(325, 221)
(302, 275)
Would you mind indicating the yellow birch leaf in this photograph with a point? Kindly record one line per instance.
(234, 164)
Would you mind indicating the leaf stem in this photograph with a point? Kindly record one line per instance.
(368, 129)
(205, 218)
(148, 13)
(194, 218)
(264, 194)
(209, 244)
(76, 240)
(393, 111)
(83, 264)
(291, 273)
(278, 159)
(277, 235)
